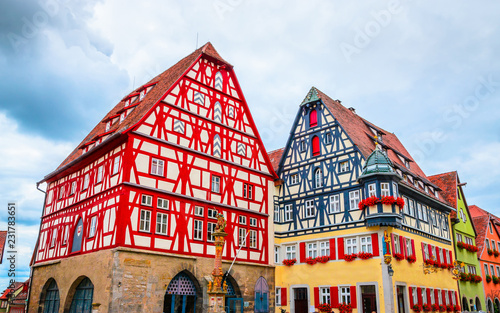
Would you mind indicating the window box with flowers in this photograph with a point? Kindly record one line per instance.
(495, 279)
(450, 308)
(457, 308)
(430, 262)
(365, 255)
(411, 259)
(310, 261)
(442, 308)
(289, 262)
(345, 308)
(325, 307)
(399, 256)
(435, 307)
(350, 257)
(443, 265)
(417, 308)
(388, 200)
(488, 278)
(496, 253)
(466, 246)
(323, 259)
(450, 266)
(427, 308)
(490, 252)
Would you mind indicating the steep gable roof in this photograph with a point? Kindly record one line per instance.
(3, 236)
(448, 183)
(275, 157)
(481, 226)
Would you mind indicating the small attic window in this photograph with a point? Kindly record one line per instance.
(142, 95)
(426, 189)
(108, 125)
(122, 116)
(407, 164)
(436, 194)
(379, 136)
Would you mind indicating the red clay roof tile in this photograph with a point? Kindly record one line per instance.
(448, 183)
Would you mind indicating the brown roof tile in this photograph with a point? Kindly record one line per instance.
(481, 226)
(448, 183)
(275, 157)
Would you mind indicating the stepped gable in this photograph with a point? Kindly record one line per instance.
(448, 183)
(275, 157)
(162, 83)
(359, 131)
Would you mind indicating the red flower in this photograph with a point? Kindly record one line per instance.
(388, 200)
(417, 308)
(310, 261)
(325, 307)
(289, 262)
(427, 308)
(350, 257)
(365, 255)
(323, 259)
(400, 202)
(411, 259)
(399, 256)
(435, 307)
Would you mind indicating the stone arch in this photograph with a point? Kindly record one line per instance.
(180, 286)
(72, 291)
(465, 304)
(478, 304)
(496, 304)
(489, 305)
(49, 297)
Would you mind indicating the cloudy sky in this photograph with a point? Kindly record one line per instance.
(428, 72)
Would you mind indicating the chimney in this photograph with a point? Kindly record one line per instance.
(353, 110)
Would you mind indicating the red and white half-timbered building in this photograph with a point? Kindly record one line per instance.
(128, 216)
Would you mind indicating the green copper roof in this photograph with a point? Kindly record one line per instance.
(312, 95)
(377, 162)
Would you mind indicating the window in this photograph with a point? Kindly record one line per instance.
(310, 208)
(198, 230)
(366, 244)
(324, 294)
(294, 179)
(447, 298)
(61, 192)
(414, 295)
(212, 213)
(276, 213)
(290, 252)
(411, 207)
(419, 211)
(145, 220)
(146, 200)
(198, 211)
(424, 295)
(459, 237)
(54, 237)
(253, 222)
(384, 190)
(318, 177)
(210, 231)
(345, 294)
(409, 249)
(93, 226)
(405, 208)
(487, 244)
(492, 270)
(73, 188)
(253, 239)
(276, 254)
(116, 165)
(108, 126)
(179, 126)
(395, 190)
(441, 254)
(471, 269)
(489, 226)
(424, 213)
(372, 191)
(162, 204)
(498, 271)
(313, 118)
(242, 220)
(302, 146)
(86, 181)
(354, 199)
(122, 116)
(215, 184)
(157, 167)
(288, 213)
(100, 170)
(247, 191)
(334, 203)
(431, 292)
(426, 252)
(161, 223)
(315, 146)
(142, 95)
(312, 250)
(324, 248)
(66, 235)
(328, 138)
(462, 215)
(351, 245)
(230, 111)
(277, 300)
(344, 167)
(242, 236)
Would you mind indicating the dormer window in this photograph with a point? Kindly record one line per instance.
(313, 118)
(122, 116)
(108, 125)
(142, 95)
(436, 194)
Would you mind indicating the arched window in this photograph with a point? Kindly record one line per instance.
(51, 299)
(261, 295)
(465, 304)
(318, 178)
(315, 146)
(82, 300)
(77, 236)
(181, 295)
(313, 118)
(217, 146)
(478, 304)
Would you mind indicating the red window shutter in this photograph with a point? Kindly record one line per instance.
(315, 146)
(436, 296)
(419, 296)
(375, 245)
(283, 297)
(332, 249)
(410, 292)
(428, 295)
(423, 252)
(340, 244)
(456, 297)
(313, 118)
(429, 248)
(438, 256)
(302, 252)
(353, 297)
(402, 245)
(443, 296)
(413, 248)
(451, 257)
(334, 296)
(316, 297)
(392, 244)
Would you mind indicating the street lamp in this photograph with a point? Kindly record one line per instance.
(390, 270)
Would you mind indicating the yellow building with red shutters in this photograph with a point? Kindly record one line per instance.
(356, 219)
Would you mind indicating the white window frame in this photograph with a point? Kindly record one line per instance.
(253, 239)
(146, 200)
(372, 190)
(395, 191)
(248, 191)
(294, 179)
(335, 203)
(312, 250)
(73, 187)
(54, 237)
(277, 254)
(242, 220)
(324, 248)
(424, 295)
(405, 208)
(145, 221)
(328, 138)
(66, 235)
(302, 146)
(162, 203)
(344, 294)
(318, 178)
(409, 249)
(253, 222)
(276, 213)
(351, 245)
(116, 165)
(210, 230)
(161, 223)
(86, 181)
(215, 187)
(420, 211)
(198, 230)
(411, 207)
(100, 174)
(278, 296)
(288, 213)
(324, 294)
(365, 243)
(354, 199)
(424, 213)
(242, 234)
(385, 190)
(212, 213)
(291, 252)
(157, 166)
(344, 166)
(432, 299)
(93, 226)
(310, 208)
